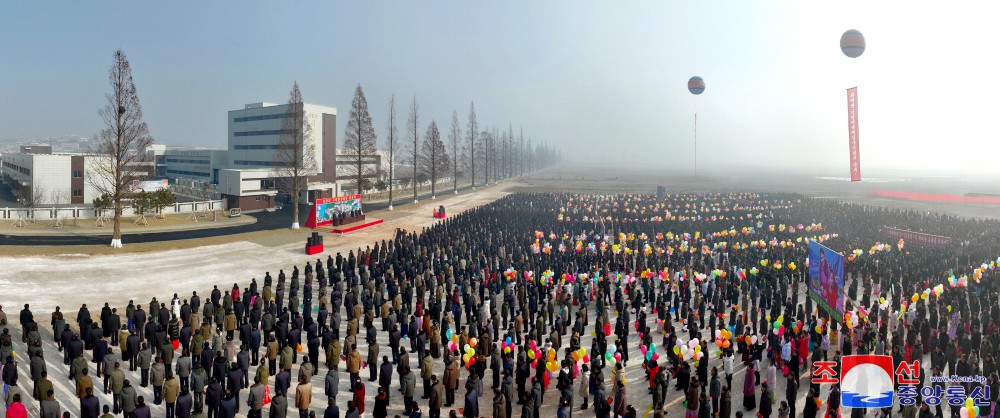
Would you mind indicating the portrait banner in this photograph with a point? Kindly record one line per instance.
(826, 280)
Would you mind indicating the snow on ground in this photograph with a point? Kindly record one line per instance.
(71, 279)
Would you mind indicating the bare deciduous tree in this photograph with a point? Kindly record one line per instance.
(359, 139)
(121, 146)
(509, 151)
(520, 153)
(531, 153)
(392, 145)
(30, 198)
(412, 122)
(58, 198)
(485, 138)
(295, 158)
(454, 136)
(433, 156)
(471, 130)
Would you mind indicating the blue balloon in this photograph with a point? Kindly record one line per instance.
(696, 85)
(852, 43)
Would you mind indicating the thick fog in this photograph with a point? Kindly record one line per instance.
(606, 81)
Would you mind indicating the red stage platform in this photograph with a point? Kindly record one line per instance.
(315, 249)
(344, 229)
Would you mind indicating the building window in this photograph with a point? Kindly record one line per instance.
(258, 163)
(77, 192)
(263, 117)
(265, 132)
(77, 174)
(186, 161)
(188, 173)
(259, 147)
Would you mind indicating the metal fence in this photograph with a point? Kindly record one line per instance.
(88, 212)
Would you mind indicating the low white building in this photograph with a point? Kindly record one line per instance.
(252, 189)
(61, 178)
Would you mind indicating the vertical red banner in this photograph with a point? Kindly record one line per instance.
(852, 131)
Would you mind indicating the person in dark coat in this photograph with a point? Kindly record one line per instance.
(811, 407)
(141, 409)
(385, 373)
(229, 406)
(90, 406)
(471, 409)
(381, 404)
(213, 397)
(765, 401)
(182, 408)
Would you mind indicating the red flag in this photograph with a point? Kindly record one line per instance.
(852, 131)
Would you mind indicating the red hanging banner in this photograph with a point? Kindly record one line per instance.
(852, 131)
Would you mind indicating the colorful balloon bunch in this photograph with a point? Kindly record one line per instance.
(612, 355)
(470, 353)
(649, 352)
(723, 338)
(507, 346)
(970, 410)
(452, 339)
(690, 350)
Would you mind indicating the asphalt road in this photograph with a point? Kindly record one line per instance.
(266, 221)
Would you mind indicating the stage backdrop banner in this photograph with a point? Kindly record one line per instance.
(324, 210)
(917, 237)
(852, 131)
(149, 185)
(826, 280)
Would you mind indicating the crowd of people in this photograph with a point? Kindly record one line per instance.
(538, 304)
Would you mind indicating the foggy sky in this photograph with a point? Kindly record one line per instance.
(605, 81)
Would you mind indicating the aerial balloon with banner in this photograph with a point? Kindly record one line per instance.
(852, 44)
(696, 85)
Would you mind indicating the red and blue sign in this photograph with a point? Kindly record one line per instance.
(866, 381)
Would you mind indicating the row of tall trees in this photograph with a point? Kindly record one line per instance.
(477, 155)
(493, 155)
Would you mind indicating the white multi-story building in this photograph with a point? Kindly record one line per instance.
(199, 165)
(254, 135)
